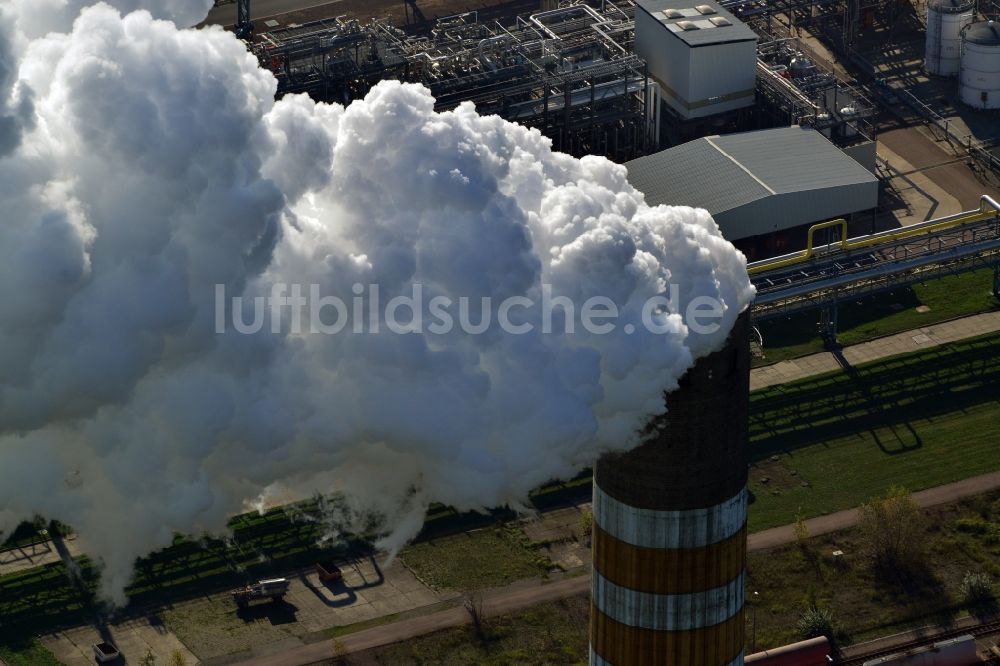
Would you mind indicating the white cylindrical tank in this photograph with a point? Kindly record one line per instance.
(945, 20)
(847, 114)
(823, 121)
(979, 83)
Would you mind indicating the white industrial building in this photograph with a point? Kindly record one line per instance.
(758, 184)
(703, 57)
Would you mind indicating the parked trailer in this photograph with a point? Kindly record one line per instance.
(274, 588)
(959, 651)
(812, 652)
(329, 572)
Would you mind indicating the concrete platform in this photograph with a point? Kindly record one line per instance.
(134, 638)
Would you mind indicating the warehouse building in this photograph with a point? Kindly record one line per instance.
(763, 188)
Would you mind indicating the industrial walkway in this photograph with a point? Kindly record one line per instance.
(891, 345)
(34, 555)
(525, 594)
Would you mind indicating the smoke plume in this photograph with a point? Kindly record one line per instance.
(142, 165)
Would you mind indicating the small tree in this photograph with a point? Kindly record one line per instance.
(892, 530)
(475, 606)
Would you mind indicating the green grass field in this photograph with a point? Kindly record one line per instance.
(487, 557)
(21, 652)
(947, 298)
(917, 420)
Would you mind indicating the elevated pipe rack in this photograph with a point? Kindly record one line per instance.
(820, 277)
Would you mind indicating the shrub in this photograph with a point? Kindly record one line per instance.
(892, 531)
(340, 651)
(586, 523)
(987, 531)
(801, 531)
(816, 622)
(977, 588)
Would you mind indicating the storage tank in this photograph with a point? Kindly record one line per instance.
(801, 66)
(848, 113)
(945, 20)
(669, 536)
(979, 83)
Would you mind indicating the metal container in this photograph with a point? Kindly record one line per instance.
(801, 66)
(945, 20)
(979, 82)
(669, 536)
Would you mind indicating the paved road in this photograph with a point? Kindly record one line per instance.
(526, 594)
(259, 9)
(954, 177)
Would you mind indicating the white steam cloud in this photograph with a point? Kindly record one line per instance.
(142, 164)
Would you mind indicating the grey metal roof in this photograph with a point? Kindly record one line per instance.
(984, 32)
(706, 32)
(720, 173)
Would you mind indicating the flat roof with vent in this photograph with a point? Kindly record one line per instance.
(699, 24)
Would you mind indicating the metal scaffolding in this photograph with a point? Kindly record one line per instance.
(570, 72)
(842, 20)
(796, 89)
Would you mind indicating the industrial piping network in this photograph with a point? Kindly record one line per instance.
(819, 277)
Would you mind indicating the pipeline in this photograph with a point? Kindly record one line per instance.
(988, 208)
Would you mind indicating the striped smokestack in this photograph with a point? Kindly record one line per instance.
(669, 536)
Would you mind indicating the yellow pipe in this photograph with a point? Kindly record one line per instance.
(807, 253)
(987, 208)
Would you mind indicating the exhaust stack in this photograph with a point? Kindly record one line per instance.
(669, 539)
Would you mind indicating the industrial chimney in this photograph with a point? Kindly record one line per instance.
(670, 516)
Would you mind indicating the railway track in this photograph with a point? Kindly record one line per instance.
(985, 629)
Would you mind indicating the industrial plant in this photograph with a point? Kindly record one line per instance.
(616, 79)
(812, 479)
